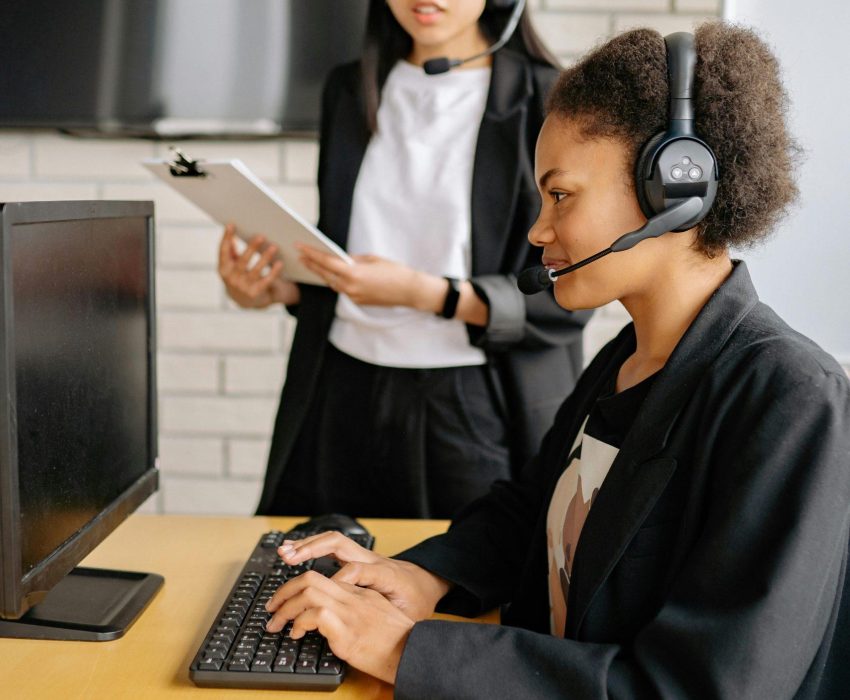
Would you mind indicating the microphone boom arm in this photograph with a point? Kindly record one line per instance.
(435, 66)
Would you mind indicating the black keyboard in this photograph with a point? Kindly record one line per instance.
(237, 652)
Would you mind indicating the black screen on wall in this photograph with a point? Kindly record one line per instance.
(173, 67)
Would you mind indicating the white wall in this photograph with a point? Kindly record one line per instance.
(804, 271)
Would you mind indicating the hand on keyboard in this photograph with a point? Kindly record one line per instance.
(361, 626)
(239, 652)
(412, 589)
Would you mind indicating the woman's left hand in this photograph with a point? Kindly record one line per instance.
(361, 626)
(371, 280)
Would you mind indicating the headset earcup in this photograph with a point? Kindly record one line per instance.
(643, 172)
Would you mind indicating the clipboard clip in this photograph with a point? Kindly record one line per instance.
(183, 166)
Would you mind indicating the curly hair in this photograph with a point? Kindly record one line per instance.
(620, 91)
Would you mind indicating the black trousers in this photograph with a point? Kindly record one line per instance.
(395, 443)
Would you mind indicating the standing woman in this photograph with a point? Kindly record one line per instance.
(420, 374)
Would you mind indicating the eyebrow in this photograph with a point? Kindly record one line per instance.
(552, 172)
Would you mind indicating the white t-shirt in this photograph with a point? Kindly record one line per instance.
(412, 204)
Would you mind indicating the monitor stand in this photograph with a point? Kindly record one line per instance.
(93, 605)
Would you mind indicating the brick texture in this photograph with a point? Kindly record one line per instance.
(220, 367)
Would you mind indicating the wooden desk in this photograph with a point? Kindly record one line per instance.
(200, 559)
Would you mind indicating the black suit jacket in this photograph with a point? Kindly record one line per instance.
(533, 346)
(712, 563)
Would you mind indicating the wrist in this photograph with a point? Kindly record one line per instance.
(429, 293)
(437, 586)
(286, 293)
(431, 587)
(389, 672)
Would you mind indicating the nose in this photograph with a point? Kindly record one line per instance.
(541, 231)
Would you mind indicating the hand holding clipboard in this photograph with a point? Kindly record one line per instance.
(230, 193)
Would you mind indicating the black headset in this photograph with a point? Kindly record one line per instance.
(675, 173)
(677, 164)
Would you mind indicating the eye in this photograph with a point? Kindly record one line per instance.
(558, 195)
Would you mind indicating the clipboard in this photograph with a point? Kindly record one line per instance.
(228, 192)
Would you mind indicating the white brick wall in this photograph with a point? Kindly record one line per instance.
(192, 456)
(221, 368)
(571, 27)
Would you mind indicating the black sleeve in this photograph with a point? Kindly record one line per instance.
(748, 609)
(517, 320)
(330, 93)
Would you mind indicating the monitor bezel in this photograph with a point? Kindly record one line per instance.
(19, 592)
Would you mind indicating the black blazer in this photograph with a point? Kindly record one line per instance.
(533, 346)
(712, 563)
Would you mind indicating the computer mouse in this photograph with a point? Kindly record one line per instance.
(348, 526)
(345, 524)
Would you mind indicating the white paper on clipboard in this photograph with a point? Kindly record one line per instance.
(229, 192)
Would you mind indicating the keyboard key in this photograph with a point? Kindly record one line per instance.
(262, 662)
(208, 664)
(284, 663)
(290, 646)
(305, 665)
(243, 661)
(215, 653)
(330, 666)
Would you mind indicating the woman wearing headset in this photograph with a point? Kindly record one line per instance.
(683, 531)
(420, 374)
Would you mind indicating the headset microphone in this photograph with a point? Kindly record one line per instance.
(536, 279)
(436, 66)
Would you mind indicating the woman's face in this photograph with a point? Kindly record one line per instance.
(587, 202)
(440, 27)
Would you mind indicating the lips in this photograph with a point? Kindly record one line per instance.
(428, 8)
(555, 263)
(428, 12)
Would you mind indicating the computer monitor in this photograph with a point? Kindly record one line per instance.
(78, 445)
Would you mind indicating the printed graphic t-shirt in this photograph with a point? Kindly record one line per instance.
(590, 458)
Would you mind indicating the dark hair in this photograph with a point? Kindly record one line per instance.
(386, 43)
(620, 91)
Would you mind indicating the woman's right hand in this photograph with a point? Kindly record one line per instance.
(409, 587)
(252, 286)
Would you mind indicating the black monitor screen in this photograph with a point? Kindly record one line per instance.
(81, 372)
